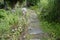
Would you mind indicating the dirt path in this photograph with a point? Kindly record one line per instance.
(33, 31)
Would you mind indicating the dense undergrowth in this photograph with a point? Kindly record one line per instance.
(11, 24)
(49, 18)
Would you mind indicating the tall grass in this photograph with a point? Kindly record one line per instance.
(11, 24)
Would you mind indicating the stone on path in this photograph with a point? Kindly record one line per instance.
(34, 31)
(34, 39)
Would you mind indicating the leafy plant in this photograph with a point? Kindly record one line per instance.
(10, 24)
(49, 17)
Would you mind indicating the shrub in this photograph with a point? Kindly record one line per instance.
(32, 2)
(50, 16)
(9, 21)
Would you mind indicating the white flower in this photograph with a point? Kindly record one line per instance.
(20, 27)
(24, 36)
(13, 30)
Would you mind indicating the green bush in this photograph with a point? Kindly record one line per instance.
(50, 16)
(33, 2)
(51, 12)
(8, 22)
(6, 18)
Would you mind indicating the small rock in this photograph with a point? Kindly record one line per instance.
(34, 39)
(24, 11)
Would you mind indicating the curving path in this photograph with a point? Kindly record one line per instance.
(33, 30)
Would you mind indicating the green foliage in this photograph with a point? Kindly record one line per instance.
(51, 12)
(49, 17)
(33, 2)
(9, 21)
(6, 18)
(51, 28)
